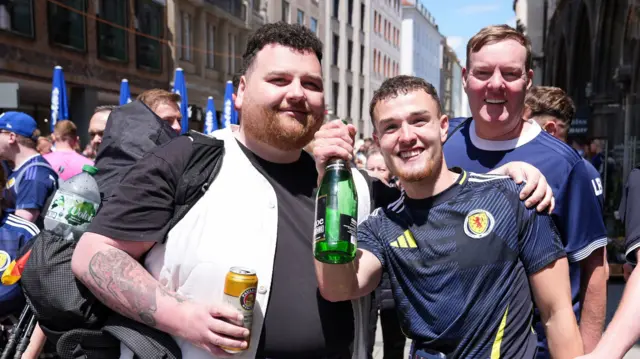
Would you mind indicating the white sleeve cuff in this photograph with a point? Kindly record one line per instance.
(586, 251)
(631, 258)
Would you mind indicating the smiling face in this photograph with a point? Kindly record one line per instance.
(281, 97)
(496, 83)
(410, 132)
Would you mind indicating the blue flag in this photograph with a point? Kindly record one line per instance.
(180, 87)
(211, 120)
(228, 109)
(125, 94)
(59, 106)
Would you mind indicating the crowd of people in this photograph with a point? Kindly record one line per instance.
(477, 238)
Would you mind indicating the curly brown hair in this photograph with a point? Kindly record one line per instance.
(402, 84)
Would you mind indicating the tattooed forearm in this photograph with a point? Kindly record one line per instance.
(124, 285)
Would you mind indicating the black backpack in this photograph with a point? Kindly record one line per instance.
(70, 316)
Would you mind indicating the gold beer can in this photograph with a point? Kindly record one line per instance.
(240, 287)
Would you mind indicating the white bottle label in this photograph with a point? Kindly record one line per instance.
(71, 209)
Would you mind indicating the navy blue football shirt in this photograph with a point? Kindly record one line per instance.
(459, 263)
(15, 232)
(577, 215)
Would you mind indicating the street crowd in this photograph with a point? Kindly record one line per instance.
(481, 237)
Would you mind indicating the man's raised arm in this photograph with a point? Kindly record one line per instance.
(340, 282)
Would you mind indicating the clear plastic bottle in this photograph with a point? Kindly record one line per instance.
(74, 205)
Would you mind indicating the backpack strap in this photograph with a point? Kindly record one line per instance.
(457, 128)
(24, 170)
(201, 170)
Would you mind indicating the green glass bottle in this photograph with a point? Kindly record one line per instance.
(336, 215)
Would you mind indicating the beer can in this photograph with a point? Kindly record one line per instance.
(240, 287)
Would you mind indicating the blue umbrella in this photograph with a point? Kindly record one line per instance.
(125, 94)
(180, 87)
(228, 109)
(211, 121)
(59, 106)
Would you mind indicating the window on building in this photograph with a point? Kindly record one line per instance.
(349, 98)
(232, 54)
(300, 17)
(336, 8)
(375, 60)
(17, 16)
(385, 29)
(67, 27)
(285, 11)
(313, 25)
(211, 46)
(349, 54)
(185, 48)
(256, 5)
(379, 63)
(362, 59)
(336, 89)
(149, 18)
(363, 14)
(375, 21)
(361, 103)
(350, 11)
(336, 47)
(112, 40)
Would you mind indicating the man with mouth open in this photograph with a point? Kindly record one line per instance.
(464, 255)
(496, 78)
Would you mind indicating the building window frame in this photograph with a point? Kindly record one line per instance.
(185, 50)
(57, 29)
(104, 30)
(286, 11)
(336, 9)
(336, 50)
(11, 25)
(313, 24)
(149, 20)
(300, 17)
(211, 46)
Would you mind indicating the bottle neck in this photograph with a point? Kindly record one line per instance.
(336, 162)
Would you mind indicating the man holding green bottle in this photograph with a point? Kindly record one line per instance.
(464, 255)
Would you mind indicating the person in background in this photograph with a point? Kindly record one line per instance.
(44, 145)
(65, 160)
(376, 166)
(554, 110)
(97, 124)
(165, 105)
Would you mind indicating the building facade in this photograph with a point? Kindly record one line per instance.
(304, 12)
(422, 43)
(209, 38)
(449, 59)
(383, 45)
(90, 40)
(456, 89)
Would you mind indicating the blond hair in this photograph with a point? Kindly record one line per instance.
(65, 130)
(496, 33)
(154, 97)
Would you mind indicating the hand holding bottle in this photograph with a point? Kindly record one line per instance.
(334, 140)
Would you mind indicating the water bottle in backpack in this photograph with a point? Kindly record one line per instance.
(74, 205)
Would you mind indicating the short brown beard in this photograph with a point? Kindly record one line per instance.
(432, 166)
(263, 125)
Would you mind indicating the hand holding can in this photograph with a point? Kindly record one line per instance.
(240, 292)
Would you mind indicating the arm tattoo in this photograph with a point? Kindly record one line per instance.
(124, 285)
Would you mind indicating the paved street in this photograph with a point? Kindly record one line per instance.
(616, 287)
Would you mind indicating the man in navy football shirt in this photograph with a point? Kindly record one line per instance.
(554, 110)
(463, 253)
(31, 180)
(496, 78)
